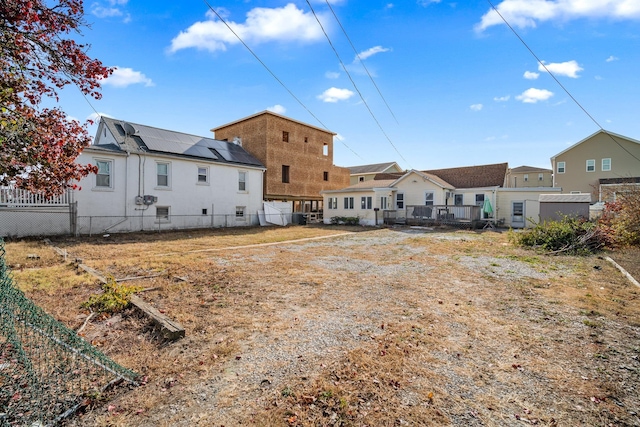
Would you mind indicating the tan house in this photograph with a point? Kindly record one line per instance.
(529, 176)
(298, 157)
(602, 155)
(368, 172)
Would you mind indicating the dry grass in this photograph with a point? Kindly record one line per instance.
(376, 328)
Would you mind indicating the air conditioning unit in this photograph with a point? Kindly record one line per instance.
(149, 200)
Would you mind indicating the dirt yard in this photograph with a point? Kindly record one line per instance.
(322, 326)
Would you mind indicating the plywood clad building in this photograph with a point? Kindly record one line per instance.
(298, 156)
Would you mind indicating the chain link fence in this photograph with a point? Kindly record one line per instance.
(46, 370)
(90, 225)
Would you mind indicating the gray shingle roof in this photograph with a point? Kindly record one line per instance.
(374, 168)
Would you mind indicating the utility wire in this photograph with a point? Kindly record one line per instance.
(361, 61)
(558, 82)
(272, 74)
(354, 84)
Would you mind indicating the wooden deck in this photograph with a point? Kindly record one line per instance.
(464, 216)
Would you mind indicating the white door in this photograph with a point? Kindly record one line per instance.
(517, 214)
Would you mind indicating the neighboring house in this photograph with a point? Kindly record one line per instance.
(367, 200)
(529, 176)
(150, 178)
(469, 195)
(368, 172)
(298, 157)
(602, 155)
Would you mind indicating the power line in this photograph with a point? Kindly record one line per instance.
(354, 84)
(361, 61)
(558, 82)
(272, 73)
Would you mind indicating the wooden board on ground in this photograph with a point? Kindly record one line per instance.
(169, 328)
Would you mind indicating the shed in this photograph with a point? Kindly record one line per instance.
(554, 206)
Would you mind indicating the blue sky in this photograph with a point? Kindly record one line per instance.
(454, 86)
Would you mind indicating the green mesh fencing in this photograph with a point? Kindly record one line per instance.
(46, 370)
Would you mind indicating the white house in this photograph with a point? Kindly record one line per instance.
(150, 178)
(469, 195)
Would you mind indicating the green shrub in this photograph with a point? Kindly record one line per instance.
(620, 221)
(345, 220)
(114, 298)
(568, 235)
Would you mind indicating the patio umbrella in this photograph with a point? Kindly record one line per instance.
(486, 208)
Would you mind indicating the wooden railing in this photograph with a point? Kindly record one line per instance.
(434, 213)
(15, 197)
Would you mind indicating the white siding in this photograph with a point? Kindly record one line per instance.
(115, 208)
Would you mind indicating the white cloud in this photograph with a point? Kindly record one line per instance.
(110, 10)
(476, 107)
(371, 51)
(339, 137)
(262, 25)
(568, 68)
(278, 109)
(502, 98)
(332, 74)
(533, 95)
(334, 94)
(531, 75)
(426, 3)
(612, 58)
(123, 77)
(528, 13)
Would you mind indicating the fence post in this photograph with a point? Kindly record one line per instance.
(212, 216)
(73, 218)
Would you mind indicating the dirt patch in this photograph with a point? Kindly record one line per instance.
(382, 327)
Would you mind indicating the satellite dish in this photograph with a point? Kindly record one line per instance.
(129, 129)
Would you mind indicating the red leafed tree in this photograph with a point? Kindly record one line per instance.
(38, 57)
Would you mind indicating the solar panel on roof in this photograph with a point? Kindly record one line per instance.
(190, 145)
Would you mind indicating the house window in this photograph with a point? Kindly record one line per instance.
(204, 211)
(561, 167)
(162, 213)
(400, 201)
(428, 198)
(325, 149)
(162, 174)
(285, 136)
(239, 213)
(285, 173)
(365, 202)
(540, 177)
(348, 202)
(332, 203)
(242, 181)
(606, 165)
(457, 199)
(591, 165)
(361, 179)
(203, 175)
(306, 139)
(325, 176)
(103, 178)
(479, 199)
(383, 202)
(526, 177)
